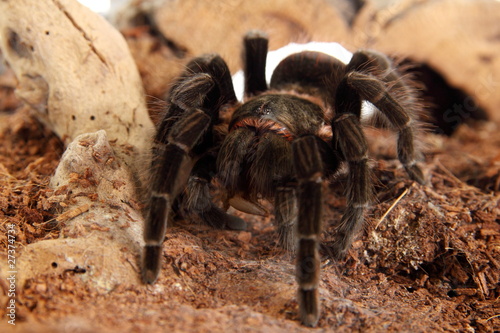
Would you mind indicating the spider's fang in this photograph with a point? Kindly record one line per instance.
(247, 206)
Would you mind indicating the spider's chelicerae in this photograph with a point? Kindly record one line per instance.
(279, 144)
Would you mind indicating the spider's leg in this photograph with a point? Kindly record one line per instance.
(371, 62)
(349, 139)
(171, 168)
(216, 67)
(375, 90)
(378, 64)
(255, 46)
(309, 172)
(197, 199)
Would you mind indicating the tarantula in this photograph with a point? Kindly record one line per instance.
(279, 145)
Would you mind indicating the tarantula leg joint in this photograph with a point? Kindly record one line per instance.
(187, 93)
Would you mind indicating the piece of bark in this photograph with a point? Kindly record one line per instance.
(101, 229)
(75, 70)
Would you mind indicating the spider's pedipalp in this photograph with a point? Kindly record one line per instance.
(272, 160)
(285, 215)
(255, 47)
(231, 158)
(197, 203)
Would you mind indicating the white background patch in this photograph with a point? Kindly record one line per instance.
(275, 57)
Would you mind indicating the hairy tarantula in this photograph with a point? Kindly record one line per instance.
(279, 145)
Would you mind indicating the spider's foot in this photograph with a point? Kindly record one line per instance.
(151, 263)
(309, 315)
(415, 173)
(336, 251)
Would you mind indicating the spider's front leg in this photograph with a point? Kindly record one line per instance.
(309, 172)
(182, 128)
(181, 144)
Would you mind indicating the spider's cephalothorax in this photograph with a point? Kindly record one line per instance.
(279, 145)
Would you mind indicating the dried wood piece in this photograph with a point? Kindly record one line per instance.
(75, 70)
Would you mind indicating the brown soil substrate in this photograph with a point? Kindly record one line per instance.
(428, 259)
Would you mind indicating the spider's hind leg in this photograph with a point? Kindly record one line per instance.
(373, 76)
(255, 46)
